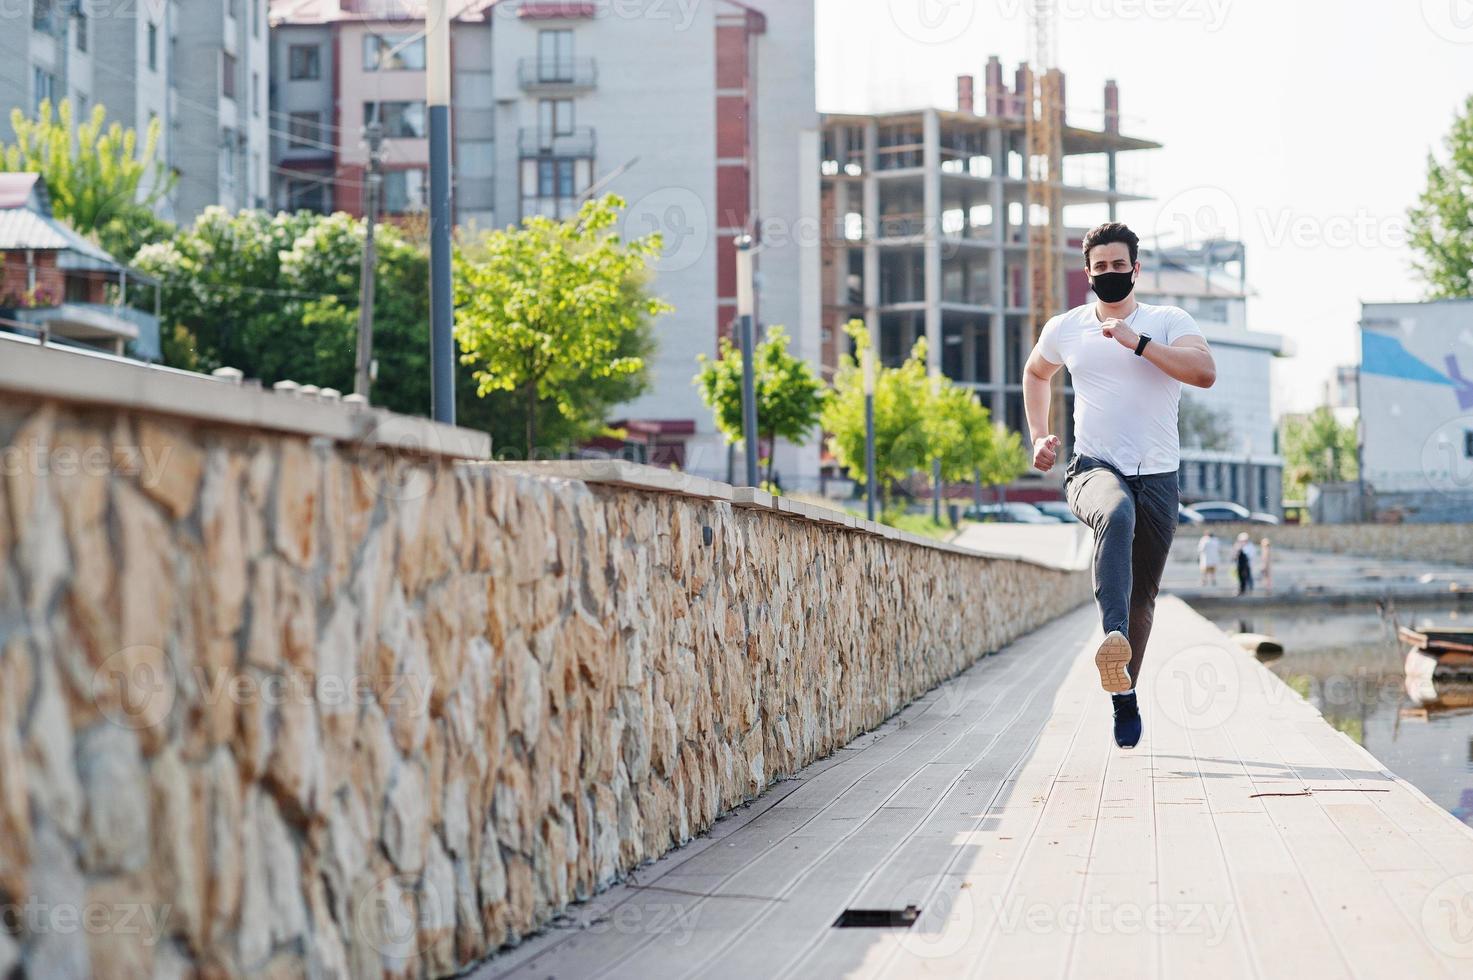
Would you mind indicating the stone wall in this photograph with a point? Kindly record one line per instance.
(284, 705)
(1446, 543)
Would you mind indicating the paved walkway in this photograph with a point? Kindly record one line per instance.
(1244, 837)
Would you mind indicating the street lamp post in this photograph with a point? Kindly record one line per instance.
(442, 340)
(936, 463)
(869, 432)
(363, 372)
(746, 307)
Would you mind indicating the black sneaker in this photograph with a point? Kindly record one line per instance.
(1127, 720)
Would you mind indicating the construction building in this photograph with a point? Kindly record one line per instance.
(928, 223)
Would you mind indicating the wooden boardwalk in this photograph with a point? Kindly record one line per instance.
(1243, 837)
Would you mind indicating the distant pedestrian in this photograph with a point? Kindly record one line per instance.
(1265, 565)
(1245, 556)
(1209, 555)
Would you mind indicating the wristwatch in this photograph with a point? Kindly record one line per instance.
(1140, 345)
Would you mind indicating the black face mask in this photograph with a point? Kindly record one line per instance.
(1112, 287)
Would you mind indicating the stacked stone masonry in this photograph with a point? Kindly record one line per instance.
(280, 706)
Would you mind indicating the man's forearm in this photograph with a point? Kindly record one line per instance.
(1037, 396)
(1189, 365)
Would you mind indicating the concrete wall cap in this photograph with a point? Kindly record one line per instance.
(29, 368)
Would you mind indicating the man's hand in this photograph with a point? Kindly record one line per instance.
(1045, 452)
(1120, 331)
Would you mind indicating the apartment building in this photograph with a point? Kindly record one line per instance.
(702, 116)
(198, 66)
(220, 73)
(339, 64)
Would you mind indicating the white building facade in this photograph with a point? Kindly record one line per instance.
(1243, 465)
(1416, 408)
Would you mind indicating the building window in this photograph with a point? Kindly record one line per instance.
(232, 8)
(81, 18)
(227, 75)
(306, 195)
(554, 178)
(153, 47)
(404, 191)
(305, 130)
(255, 93)
(304, 62)
(555, 117)
(401, 120)
(45, 85)
(555, 56)
(393, 52)
(41, 14)
(257, 12)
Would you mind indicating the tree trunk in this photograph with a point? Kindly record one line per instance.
(531, 417)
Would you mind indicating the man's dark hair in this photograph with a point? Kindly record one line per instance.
(1112, 231)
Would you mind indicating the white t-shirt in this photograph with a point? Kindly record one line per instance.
(1210, 551)
(1124, 406)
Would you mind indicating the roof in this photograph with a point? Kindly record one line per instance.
(16, 190)
(338, 11)
(26, 222)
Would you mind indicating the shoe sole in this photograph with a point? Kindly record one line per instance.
(1113, 660)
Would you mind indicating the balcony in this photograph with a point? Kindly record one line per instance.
(580, 141)
(557, 74)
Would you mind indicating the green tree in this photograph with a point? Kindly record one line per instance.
(101, 181)
(1441, 223)
(1317, 449)
(902, 435)
(790, 397)
(277, 297)
(560, 313)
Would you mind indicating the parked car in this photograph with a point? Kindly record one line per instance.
(1187, 515)
(1219, 511)
(1059, 510)
(1009, 513)
(1225, 510)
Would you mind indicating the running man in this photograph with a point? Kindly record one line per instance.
(1127, 361)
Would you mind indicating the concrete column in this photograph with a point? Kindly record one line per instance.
(871, 218)
(931, 158)
(997, 149)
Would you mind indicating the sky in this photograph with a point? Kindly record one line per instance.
(1300, 126)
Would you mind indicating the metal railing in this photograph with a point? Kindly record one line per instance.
(580, 141)
(557, 72)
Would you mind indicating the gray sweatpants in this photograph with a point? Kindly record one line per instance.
(1134, 519)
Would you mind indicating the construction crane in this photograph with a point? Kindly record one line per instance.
(1044, 136)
